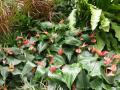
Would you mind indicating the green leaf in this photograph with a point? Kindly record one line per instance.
(114, 43)
(72, 19)
(29, 57)
(13, 61)
(107, 87)
(86, 56)
(61, 27)
(72, 41)
(105, 23)
(116, 28)
(53, 85)
(40, 71)
(104, 37)
(16, 50)
(109, 79)
(92, 67)
(28, 67)
(68, 52)
(89, 63)
(67, 75)
(2, 55)
(100, 43)
(72, 32)
(16, 72)
(4, 72)
(82, 81)
(86, 37)
(70, 73)
(1, 82)
(42, 46)
(46, 25)
(58, 60)
(95, 17)
(33, 39)
(96, 84)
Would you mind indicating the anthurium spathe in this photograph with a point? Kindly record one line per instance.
(60, 51)
(53, 69)
(107, 60)
(78, 50)
(110, 71)
(93, 41)
(19, 38)
(26, 42)
(98, 52)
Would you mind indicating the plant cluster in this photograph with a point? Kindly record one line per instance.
(77, 50)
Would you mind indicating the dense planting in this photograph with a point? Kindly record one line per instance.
(73, 45)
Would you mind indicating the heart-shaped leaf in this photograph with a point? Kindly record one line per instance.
(72, 41)
(67, 75)
(42, 46)
(28, 67)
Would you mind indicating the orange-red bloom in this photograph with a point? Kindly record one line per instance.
(93, 41)
(107, 61)
(25, 42)
(53, 69)
(110, 71)
(19, 37)
(116, 56)
(45, 32)
(92, 35)
(60, 51)
(100, 53)
(78, 50)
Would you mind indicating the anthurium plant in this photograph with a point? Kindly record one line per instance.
(80, 52)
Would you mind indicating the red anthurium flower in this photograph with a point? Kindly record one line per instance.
(94, 50)
(110, 71)
(73, 87)
(31, 47)
(25, 42)
(107, 61)
(19, 37)
(45, 32)
(116, 56)
(60, 51)
(100, 53)
(53, 69)
(93, 40)
(103, 53)
(114, 67)
(92, 35)
(9, 51)
(84, 45)
(51, 59)
(78, 50)
(81, 39)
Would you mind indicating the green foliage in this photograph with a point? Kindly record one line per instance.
(95, 17)
(72, 19)
(105, 23)
(79, 53)
(116, 28)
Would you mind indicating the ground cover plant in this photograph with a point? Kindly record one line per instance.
(60, 45)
